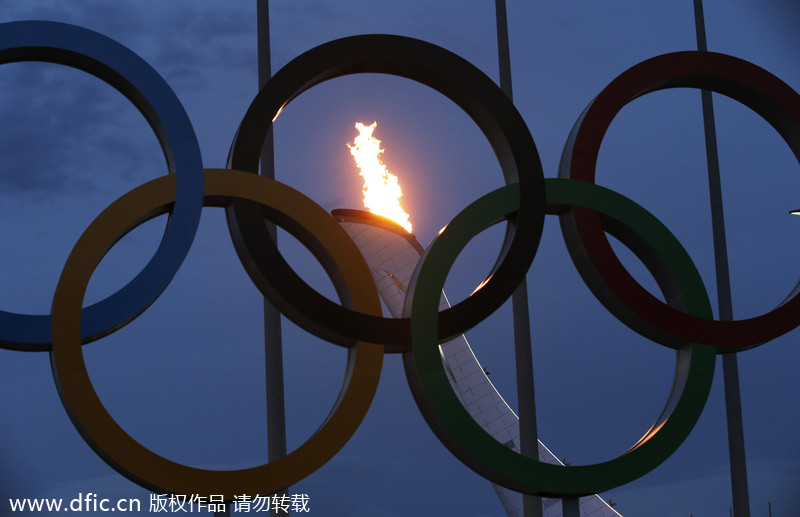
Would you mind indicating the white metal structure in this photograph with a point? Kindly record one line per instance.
(392, 255)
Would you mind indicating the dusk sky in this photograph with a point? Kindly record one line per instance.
(186, 378)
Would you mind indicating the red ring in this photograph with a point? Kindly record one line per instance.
(745, 82)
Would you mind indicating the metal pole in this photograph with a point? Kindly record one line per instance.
(273, 351)
(730, 367)
(570, 507)
(503, 52)
(528, 435)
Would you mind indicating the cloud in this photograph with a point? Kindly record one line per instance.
(64, 128)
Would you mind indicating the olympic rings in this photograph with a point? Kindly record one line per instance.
(121, 68)
(586, 211)
(601, 269)
(462, 83)
(474, 446)
(281, 204)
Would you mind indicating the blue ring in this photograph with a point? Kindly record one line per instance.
(121, 68)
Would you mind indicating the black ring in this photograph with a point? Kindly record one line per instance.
(458, 80)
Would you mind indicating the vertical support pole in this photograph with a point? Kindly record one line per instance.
(570, 507)
(273, 350)
(730, 366)
(503, 52)
(529, 443)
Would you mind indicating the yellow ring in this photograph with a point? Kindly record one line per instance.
(102, 432)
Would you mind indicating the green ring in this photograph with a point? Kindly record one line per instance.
(476, 448)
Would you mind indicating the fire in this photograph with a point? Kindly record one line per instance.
(381, 191)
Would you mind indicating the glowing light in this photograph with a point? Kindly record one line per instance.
(486, 281)
(280, 110)
(381, 191)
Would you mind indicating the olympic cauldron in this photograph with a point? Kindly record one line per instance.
(586, 211)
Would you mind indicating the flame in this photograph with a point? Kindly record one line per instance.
(381, 191)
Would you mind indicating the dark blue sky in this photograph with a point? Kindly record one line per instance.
(186, 378)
